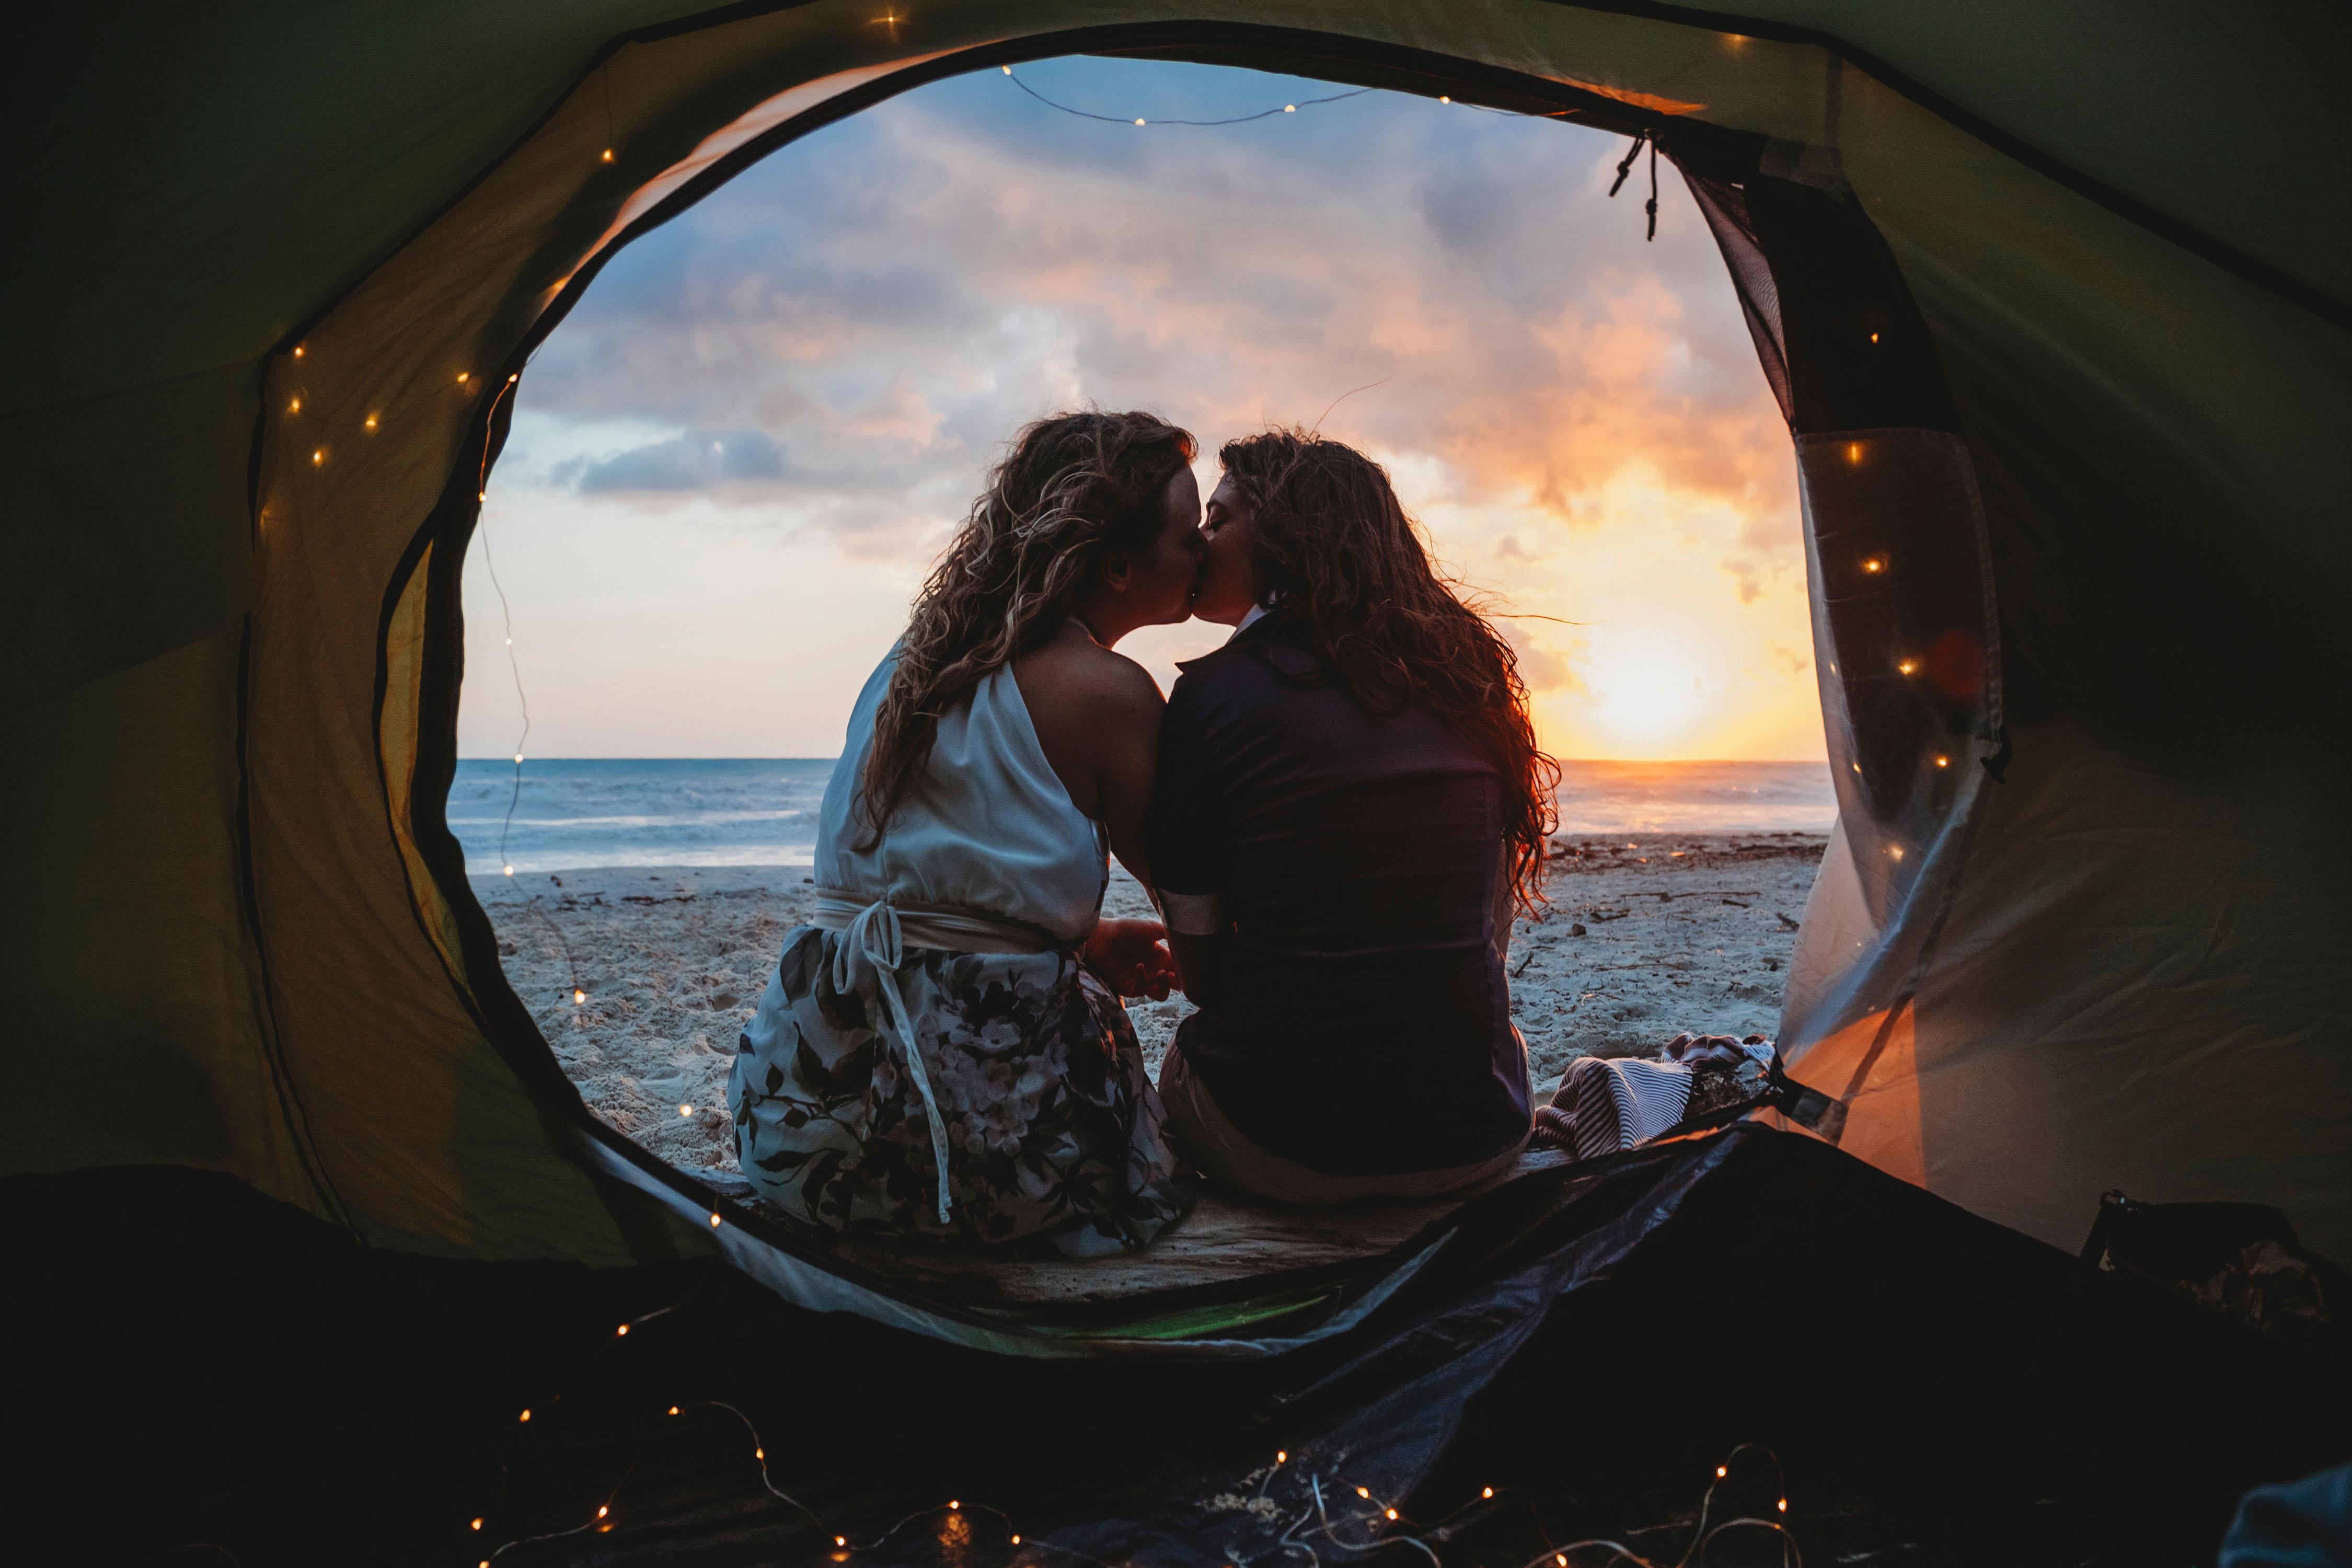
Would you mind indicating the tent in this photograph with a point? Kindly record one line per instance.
(2057, 298)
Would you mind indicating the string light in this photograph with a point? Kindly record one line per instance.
(1943, 761)
(714, 1220)
(318, 456)
(1384, 1512)
(622, 1332)
(1908, 666)
(1874, 565)
(477, 1524)
(578, 996)
(1442, 97)
(371, 421)
(464, 377)
(510, 871)
(1138, 120)
(1873, 337)
(608, 154)
(1853, 452)
(686, 1110)
(295, 406)
(297, 351)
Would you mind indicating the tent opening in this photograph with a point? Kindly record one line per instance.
(730, 468)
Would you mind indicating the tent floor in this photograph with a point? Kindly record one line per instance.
(1227, 1236)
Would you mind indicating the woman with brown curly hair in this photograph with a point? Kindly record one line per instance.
(942, 1049)
(1350, 806)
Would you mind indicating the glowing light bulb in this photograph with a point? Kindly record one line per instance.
(1784, 1505)
(1006, 69)
(1391, 1513)
(603, 1511)
(1560, 1558)
(477, 1524)
(510, 870)
(1721, 1471)
(758, 1453)
(464, 377)
(512, 379)
(1443, 98)
(686, 1110)
(1017, 1539)
(1943, 761)
(1853, 452)
(579, 996)
(481, 495)
(1361, 1491)
(1138, 120)
(1908, 666)
(526, 1415)
(841, 1541)
(1485, 1491)
(953, 1505)
(371, 421)
(1895, 850)
(1290, 109)
(714, 1221)
(1873, 337)
(297, 351)
(518, 756)
(295, 406)
(673, 1410)
(318, 456)
(1282, 1455)
(623, 1329)
(1874, 565)
(608, 154)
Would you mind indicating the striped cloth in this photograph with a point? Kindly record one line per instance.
(1604, 1105)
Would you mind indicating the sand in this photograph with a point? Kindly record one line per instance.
(1645, 938)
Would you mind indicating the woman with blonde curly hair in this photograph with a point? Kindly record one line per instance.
(942, 1049)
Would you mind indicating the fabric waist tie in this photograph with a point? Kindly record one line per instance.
(876, 935)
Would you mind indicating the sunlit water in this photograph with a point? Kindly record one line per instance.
(736, 811)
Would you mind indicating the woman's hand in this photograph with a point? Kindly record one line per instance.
(1131, 957)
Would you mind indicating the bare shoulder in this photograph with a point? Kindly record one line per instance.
(1074, 678)
(1091, 707)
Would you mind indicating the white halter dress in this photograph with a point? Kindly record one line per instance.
(929, 1055)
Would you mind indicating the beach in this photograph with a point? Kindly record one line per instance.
(1646, 935)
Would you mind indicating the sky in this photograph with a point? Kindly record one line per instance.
(731, 467)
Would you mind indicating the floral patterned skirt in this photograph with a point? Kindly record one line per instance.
(1052, 1121)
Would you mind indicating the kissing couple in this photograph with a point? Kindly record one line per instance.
(1337, 812)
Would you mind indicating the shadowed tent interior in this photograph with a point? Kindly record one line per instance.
(2054, 298)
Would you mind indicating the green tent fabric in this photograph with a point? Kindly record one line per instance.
(272, 273)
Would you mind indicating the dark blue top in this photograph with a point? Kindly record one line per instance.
(1365, 1024)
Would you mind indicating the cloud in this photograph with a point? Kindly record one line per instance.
(888, 300)
(696, 461)
(833, 349)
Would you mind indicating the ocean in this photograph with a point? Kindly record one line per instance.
(575, 813)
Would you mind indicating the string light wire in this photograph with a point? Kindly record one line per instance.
(1141, 120)
(481, 525)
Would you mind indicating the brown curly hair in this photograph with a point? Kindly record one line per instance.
(1345, 564)
(1072, 490)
